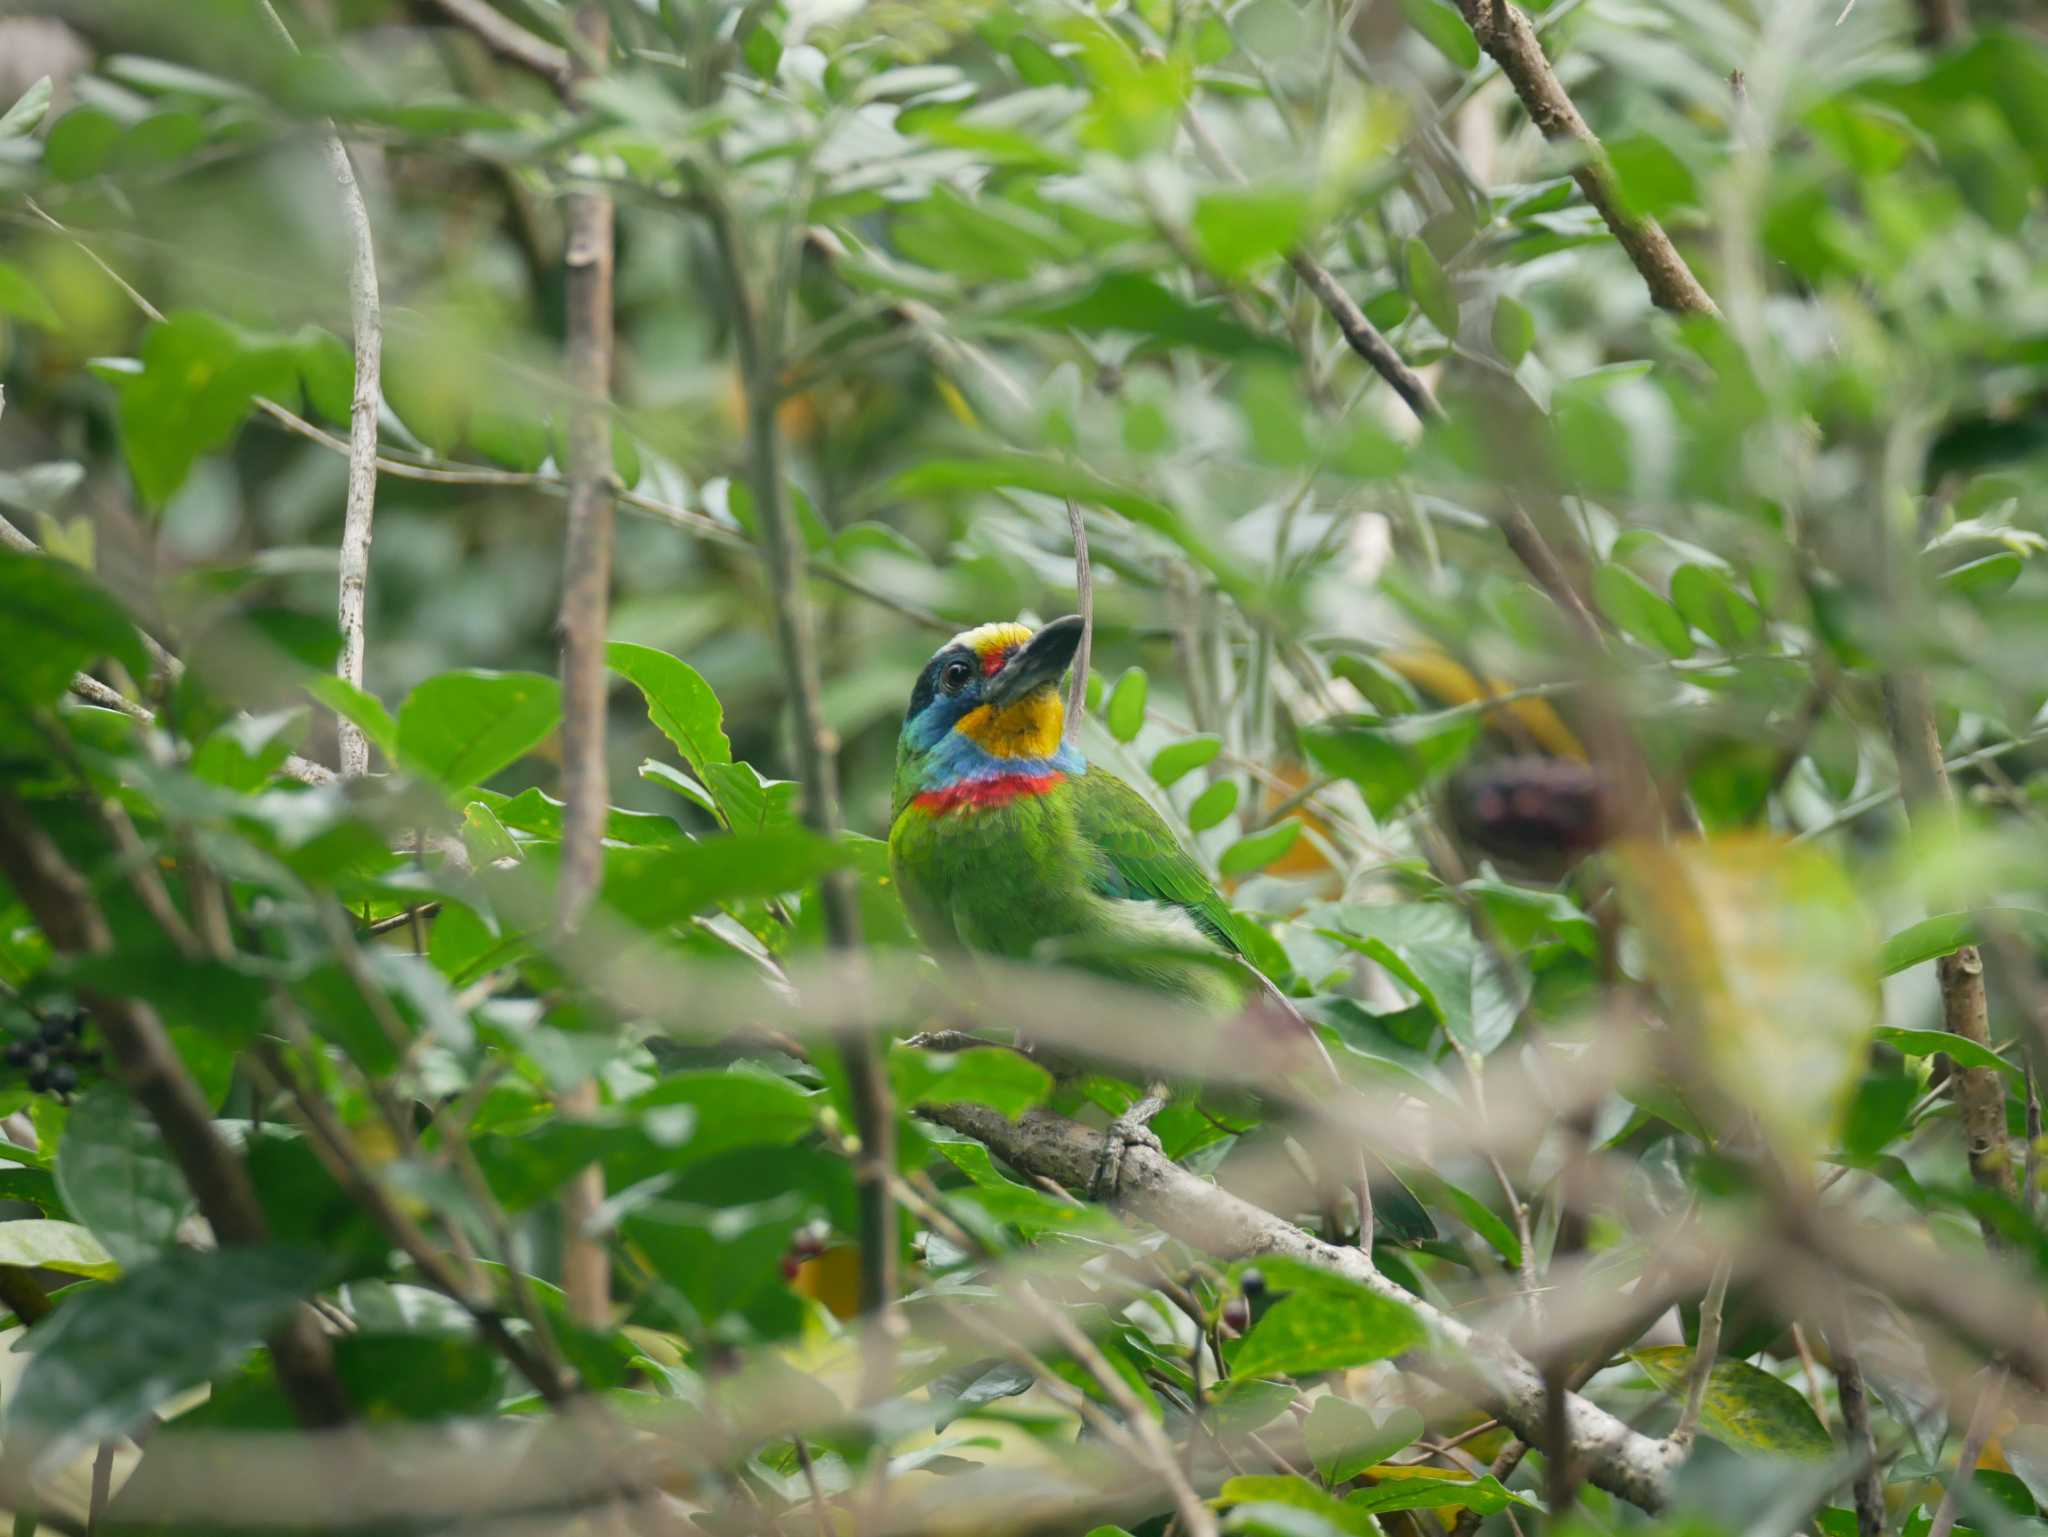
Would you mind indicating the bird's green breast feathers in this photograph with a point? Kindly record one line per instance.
(1083, 863)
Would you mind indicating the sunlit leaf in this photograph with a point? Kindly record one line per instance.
(1745, 1407)
(462, 727)
(1322, 1323)
(1763, 947)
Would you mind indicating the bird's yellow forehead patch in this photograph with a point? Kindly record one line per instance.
(1030, 728)
(991, 642)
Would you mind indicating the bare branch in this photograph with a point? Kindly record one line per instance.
(1084, 596)
(1154, 1188)
(510, 41)
(1980, 1091)
(1982, 1418)
(1943, 23)
(1856, 1420)
(758, 336)
(1701, 1372)
(366, 321)
(586, 604)
(1505, 33)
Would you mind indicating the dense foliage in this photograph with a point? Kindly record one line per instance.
(1605, 671)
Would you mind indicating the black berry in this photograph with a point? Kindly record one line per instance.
(39, 1081)
(1253, 1282)
(18, 1053)
(63, 1078)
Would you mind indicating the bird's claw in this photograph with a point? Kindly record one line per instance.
(1127, 1131)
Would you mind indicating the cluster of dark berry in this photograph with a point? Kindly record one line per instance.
(54, 1054)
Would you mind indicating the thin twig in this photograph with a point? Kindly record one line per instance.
(1701, 1372)
(1869, 1483)
(1930, 803)
(1505, 33)
(1982, 1418)
(102, 1486)
(586, 602)
(1084, 596)
(366, 321)
(758, 332)
(510, 41)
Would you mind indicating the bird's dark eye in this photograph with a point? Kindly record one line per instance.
(955, 677)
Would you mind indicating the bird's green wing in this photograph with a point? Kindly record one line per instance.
(1142, 861)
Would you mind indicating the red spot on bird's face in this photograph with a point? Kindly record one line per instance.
(992, 660)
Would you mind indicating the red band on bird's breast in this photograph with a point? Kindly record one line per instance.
(983, 793)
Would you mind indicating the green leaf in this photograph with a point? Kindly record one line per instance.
(198, 380)
(1714, 606)
(1485, 1495)
(1962, 1050)
(1479, 1217)
(54, 620)
(1027, 472)
(1239, 229)
(1638, 611)
(1652, 178)
(1344, 1440)
(1323, 1323)
(112, 1354)
(1124, 715)
(1446, 30)
(1745, 1407)
(36, 1243)
(21, 119)
(327, 370)
(1390, 760)
(752, 804)
(1985, 576)
(1514, 329)
(1259, 849)
(1138, 305)
(659, 886)
(79, 142)
(1429, 286)
(1296, 1494)
(1213, 805)
(1004, 1080)
(1179, 759)
(679, 701)
(485, 836)
(462, 727)
(20, 297)
(353, 704)
(117, 1177)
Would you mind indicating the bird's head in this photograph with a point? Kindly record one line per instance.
(987, 707)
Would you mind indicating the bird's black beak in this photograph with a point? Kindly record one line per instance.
(1040, 661)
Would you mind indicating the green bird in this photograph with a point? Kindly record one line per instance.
(1005, 842)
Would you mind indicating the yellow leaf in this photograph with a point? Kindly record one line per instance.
(1451, 683)
(1768, 962)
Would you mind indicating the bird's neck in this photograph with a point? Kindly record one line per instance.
(960, 774)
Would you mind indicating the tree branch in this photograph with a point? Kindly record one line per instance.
(1943, 23)
(1980, 1091)
(1701, 1371)
(1856, 1421)
(366, 321)
(1155, 1189)
(1505, 33)
(586, 601)
(1084, 596)
(758, 335)
(510, 41)
(62, 905)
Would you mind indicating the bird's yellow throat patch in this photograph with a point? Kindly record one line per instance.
(1030, 728)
